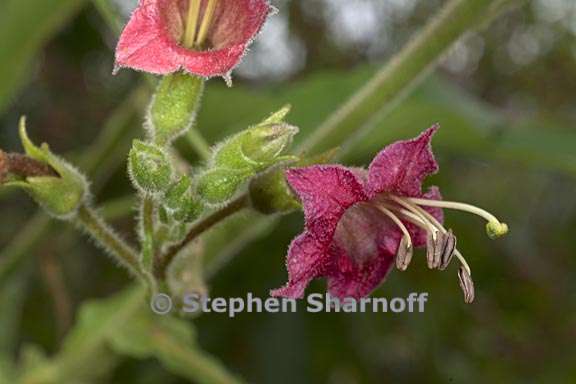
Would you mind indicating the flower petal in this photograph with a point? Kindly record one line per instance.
(151, 40)
(363, 250)
(326, 192)
(350, 279)
(307, 258)
(401, 167)
(146, 43)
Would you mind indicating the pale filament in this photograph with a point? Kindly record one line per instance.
(423, 223)
(398, 222)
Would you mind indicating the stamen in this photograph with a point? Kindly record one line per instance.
(433, 237)
(494, 228)
(448, 248)
(191, 23)
(404, 253)
(443, 230)
(206, 22)
(466, 284)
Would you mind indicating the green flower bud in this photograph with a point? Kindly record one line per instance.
(60, 194)
(218, 185)
(149, 167)
(180, 203)
(257, 147)
(173, 108)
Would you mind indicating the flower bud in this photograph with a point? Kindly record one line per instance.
(255, 148)
(218, 185)
(59, 192)
(180, 203)
(173, 108)
(149, 167)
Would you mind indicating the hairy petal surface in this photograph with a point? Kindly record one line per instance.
(401, 167)
(151, 41)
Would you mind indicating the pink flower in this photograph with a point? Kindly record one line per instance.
(359, 222)
(204, 37)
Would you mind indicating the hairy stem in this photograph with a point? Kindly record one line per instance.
(89, 220)
(148, 241)
(196, 230)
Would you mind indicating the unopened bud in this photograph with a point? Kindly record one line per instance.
(496, 229)
(180, 202)
(256, 148)
(466, 284)
(149, 167)
(404, 253)
(218, 185)
(173, 108)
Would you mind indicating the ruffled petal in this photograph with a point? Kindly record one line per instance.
(401, 167)
(146, 43)
(151, 40)
(307, 259)
(326, 191)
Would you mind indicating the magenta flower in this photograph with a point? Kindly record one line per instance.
(204, 37)
(358, 222)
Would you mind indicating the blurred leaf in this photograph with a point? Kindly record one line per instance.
(25, 26)
(172, 341)
(469, 126)
(126, 325)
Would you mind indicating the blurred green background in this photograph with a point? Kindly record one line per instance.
(506, 100)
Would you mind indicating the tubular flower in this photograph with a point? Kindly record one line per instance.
(204, 37)
(359, 223)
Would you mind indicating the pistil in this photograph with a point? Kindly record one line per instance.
(494, 227)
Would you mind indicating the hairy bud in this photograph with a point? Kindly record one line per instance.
(180, 203)
(149, 167)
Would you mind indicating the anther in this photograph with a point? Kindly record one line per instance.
(466, 284)
(404, 254)
(448, 248)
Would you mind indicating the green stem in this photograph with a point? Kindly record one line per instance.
(89, 220)
(17, 252)
(196, 230)
(198, 143)
(398, 77)
(148, 242)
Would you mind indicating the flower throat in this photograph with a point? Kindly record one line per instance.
(197, 26)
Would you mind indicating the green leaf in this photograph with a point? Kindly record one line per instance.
(25, 26)
(124, 324)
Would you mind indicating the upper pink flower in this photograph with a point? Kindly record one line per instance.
(204, 37)
(354, 226)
